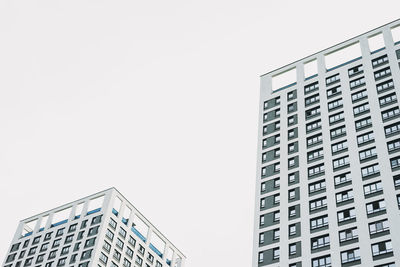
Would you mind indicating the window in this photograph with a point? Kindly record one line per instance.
(80, 235)
(336, 117)
(40, 258)
(357, 82)
(36, 240)
(276, 234)
(28, 262)
(317, 169)
(350, 255)
(261, 256)
(370, 170)
(315, 139)
(387, 99)
(332, 79)
(109, 234)
(311, 87)
(65, 250)
(277, 216)
(318, 204)
(361, 109)
(315, 154)
(60, 232)
(261, 238)
(376, 206)
(84, 223)
(344, 196)
(52, 254)
(86, 254)
(292, 229)
(359, 95)
(129, 252)
(263, 187)
(396, 180)
(311, 99)
(262, 203)
(277, 138)
(44, 247)
(291, 147)
(348, 234)
(141, 249)
(292, 178)
(277, 112)
(292, 133)
(122, 232)
(291, 95)
(276, 253)
(56, 243)
(367, 153)
(127, 263)
(32, 251)
(365, 138)
(262, 220)
(106, 246)
(392, 129)
(316, 186)
(69, 239)
(119, 243)
(335, 104)
(291, 120)
(93, 231)
(378, 226)
(379, 61)
(313, 125)
(72, 228)
(372, 188)
(355, 70)
(112, 223)
(264, 171)
(324, 261)
(277, 183)
(339, 146)
(382, 73)
(346, 215)
(292, 249)
(117, 255)
(381, 248)
(292, 107)
(313, 112)
(291, 162)
(292, 194)
(334, 91)
(103, 258)
(390, 113)
(277, 199)
(320, 241)
(363, 123)
(277, 167)
(386, 85)
(139, 260)
(337, 132)
(277, 125)
(340, 162)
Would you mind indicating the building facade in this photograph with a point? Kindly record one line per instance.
(103, 229)
(328, 160)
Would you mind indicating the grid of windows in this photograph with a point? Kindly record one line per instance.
(336, 133)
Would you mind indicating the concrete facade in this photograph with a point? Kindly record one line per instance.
(328, 160)
(103, 229)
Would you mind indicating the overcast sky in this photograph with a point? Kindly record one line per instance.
(156, 98)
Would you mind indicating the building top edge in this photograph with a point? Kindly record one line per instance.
(328, 49)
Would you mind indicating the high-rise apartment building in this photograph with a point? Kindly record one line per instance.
(100, 230)
(328, 170)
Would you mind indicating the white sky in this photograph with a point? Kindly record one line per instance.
(156, 98)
